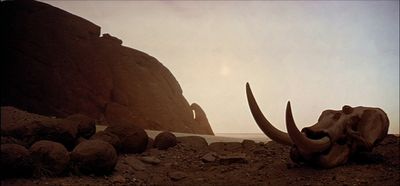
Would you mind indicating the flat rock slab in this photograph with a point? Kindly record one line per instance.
(150, 160)
(177, 175)
(209, 157)
(135, 163)
(235, 158)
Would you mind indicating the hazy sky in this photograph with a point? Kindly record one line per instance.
(318, 55)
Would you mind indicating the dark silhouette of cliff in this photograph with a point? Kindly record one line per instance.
(55, 63)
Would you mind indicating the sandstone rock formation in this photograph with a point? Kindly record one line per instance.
(55, 63)
(200, 117)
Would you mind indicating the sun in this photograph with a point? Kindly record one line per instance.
(224, 70)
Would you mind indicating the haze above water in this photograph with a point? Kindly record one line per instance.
(318, 55)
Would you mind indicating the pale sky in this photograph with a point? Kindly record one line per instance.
(319, 55)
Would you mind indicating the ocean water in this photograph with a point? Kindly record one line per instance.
(218, 137)
(258, 137)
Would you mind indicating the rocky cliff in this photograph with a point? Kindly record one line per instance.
(55, 63)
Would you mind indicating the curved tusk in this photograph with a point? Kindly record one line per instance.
(263, 123)
(300, 140)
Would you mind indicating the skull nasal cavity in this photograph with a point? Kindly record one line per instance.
(347, 109)
(314, 134)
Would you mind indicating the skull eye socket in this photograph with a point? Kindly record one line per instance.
(314, 134)
(341, 141)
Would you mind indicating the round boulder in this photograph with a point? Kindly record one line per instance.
(86, 126)
(23, 131)
(133, 139)
(108, 137)
(164, 140)
(19, 124)
(80, 140)
(193, 142)
(94, 156)
(15, 161)
(150, 143)
(11, 140)
(49, 158)
(59, 130)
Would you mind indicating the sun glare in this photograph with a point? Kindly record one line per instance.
(224, 70)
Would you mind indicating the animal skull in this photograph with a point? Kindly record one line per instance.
(336, 136)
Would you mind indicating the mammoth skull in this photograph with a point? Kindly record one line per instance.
(336, 136)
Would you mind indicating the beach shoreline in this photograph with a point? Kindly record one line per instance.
(218, 137)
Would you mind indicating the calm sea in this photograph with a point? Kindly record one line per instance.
(219, 137)
(258, 137)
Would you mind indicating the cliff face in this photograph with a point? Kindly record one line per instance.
(56, 63)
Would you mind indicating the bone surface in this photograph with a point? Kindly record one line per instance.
(335, 138)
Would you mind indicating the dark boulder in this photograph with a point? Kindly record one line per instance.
(11, 140)
(86, 126)
(58, 130)
(164, 140)
(193, 142)
(150, 143)
(94, 157)
(15, 161)
(19, 124)
(133, 139)
(108, 137)
(80, 140)
(29, 128)
(49, 158)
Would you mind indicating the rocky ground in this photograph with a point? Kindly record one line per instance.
(193, 162)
